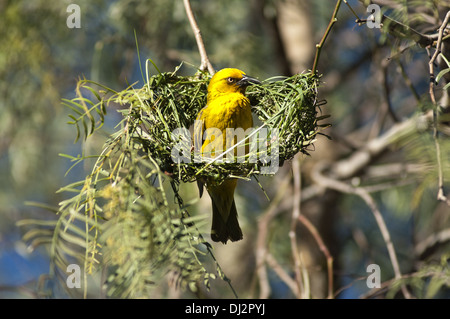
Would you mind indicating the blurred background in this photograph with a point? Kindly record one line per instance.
(372, 81)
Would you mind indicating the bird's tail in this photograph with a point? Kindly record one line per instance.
(225, 230)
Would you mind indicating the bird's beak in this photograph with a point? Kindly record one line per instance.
(247, 80)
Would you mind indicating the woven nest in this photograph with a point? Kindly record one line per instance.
(168, 102)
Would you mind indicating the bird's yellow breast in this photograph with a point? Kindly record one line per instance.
(230, 110)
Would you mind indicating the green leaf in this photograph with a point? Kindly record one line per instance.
(441, 74)
(434, 286)
(445, 59)
(446, 86)
(94, 92)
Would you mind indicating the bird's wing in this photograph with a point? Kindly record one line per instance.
(199, 128)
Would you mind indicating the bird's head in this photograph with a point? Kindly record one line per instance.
(229, 81)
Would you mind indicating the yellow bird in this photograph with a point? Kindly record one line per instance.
(227, 107)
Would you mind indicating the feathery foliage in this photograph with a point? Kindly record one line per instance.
(120, 216)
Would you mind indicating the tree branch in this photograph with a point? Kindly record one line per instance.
(431, 241)
(400, 30)
(318, 176)
(204, 62)
(324, 37)
(441, 194)
(323, 248)
(298, 266)
(261, 240)
(272, 262)
(361, 158)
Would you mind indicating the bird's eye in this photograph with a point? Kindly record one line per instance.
(230, 80)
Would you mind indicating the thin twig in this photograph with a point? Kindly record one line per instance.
(408, 81)
(386, 106)
(204, 62)
(431, 241)
(186, 214)
(349, 285)
(292, 233)
(361, 158)
(441, 194)
(398, 29)
(435, 55)
(387, 92)
(292, 284)
(325, 35)
(318, 176)
(261, 240)
(323, 248)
